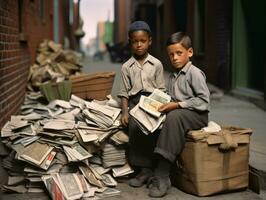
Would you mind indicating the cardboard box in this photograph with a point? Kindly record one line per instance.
(213, 162)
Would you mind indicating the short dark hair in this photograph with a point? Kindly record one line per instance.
(179, 37)
(139, 26)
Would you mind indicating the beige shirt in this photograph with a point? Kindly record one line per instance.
(189, 88)
(137, 78)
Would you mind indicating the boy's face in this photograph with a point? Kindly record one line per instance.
(140, 42)
(179, 55)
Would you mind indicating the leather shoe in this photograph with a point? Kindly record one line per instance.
(141, 178)
(158, 186)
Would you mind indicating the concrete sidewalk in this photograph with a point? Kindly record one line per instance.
(225, 111)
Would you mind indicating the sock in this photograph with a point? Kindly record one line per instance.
(163, 167)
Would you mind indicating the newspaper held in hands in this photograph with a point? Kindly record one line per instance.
(152, 103)
(147, 123)
(160, 96)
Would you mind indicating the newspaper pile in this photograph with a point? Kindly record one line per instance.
(113, 156)
(53, 63)
(63, 148)
(146, 113)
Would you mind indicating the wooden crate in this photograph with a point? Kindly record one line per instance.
(93, 85)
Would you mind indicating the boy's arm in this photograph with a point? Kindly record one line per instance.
(201, 99)
(169, 107)
(123, 94)
(125, 115)
(160, 77)
(124, 83)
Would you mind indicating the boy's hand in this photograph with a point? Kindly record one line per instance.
(124, 119)
(168, 107)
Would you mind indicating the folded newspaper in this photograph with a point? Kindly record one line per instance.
(146, 122)
(152, 103)
(66, 186)
(146, 113)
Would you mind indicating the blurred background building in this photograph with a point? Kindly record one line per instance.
(228, 38)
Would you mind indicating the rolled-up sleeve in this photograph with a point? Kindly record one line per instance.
(160, 77)
(124, 83)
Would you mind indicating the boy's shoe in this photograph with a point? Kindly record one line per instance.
(141, 178)
(158, 186)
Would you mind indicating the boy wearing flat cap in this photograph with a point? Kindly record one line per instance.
(140, 75)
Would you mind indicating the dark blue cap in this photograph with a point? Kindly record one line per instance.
(139, 25)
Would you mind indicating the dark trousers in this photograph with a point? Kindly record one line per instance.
(178, 122)
(141, 146)
(168, 142)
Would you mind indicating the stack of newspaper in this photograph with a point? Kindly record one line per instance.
(119, 137)
(59, 147)
(112, 155)
(122, 171)
(103, 116)
(146, 113)
(53, 63)
(95, 134)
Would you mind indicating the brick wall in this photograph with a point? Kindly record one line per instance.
(14, 61)
(37, 26)
(20, 34)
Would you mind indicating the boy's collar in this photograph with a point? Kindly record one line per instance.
(149, 59)
(184, 69)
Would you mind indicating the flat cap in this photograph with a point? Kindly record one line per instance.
(139, 25)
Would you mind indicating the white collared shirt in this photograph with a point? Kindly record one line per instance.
(137, 78)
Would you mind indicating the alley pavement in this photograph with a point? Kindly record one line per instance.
(225, 110)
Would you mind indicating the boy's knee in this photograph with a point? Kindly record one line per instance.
(174, 114)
